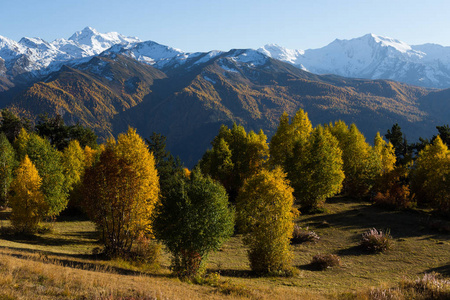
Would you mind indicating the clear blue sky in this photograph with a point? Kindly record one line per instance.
(202, 25)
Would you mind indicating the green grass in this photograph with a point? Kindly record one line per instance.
(417, 249)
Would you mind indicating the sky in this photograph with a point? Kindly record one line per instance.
(203, 25)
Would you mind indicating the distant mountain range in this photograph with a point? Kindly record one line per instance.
(109, 81)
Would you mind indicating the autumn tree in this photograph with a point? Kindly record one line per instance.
(48, 162)
(7, 165)
(235, 156)
(74, 164)
(121, 191)
(28, 202)
(316, 169)
(193, 220)
(265, 215)
(288, 134)
(430, 176)
(359, 165)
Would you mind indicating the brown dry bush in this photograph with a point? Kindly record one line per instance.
(376, 241)
(325, 261)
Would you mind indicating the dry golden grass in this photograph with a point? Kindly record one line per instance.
(59, 264)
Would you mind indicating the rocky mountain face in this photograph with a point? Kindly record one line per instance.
(187, 96)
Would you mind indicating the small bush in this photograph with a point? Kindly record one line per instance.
(146, 250)
(325, 261)
(376, 241)
(397, 196)
(301, 236)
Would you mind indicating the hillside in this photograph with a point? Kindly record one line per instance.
(188, 100)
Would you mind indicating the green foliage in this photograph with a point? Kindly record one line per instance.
(193, 220)
(49, 165)
(315, 169)
(7, 165)
(121, 191)
(398, 140)
(168, 166)
(11, 125)
(61, 134)
(28, 203)
(430, 177)
(265, 215)
(234, 157)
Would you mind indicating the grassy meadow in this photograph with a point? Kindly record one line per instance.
(59, 264)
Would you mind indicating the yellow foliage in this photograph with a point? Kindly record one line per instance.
(121, 191)
(28, 203)
(265, 214)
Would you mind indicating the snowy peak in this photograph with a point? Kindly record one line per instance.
(373, 57)
(37, 57)
(281, 53)
(99, 42)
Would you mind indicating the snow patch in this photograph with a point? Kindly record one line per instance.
(209, 79)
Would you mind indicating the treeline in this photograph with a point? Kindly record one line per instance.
(134, 190)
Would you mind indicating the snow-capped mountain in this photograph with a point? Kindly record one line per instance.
(369, 56)
(34, 57)
(373, 57)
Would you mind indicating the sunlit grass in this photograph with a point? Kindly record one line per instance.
(60, 264)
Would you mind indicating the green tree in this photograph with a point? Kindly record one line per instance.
(60, 134)
(235, 156)
(48, 162)
(11, 125)
(7, 165)
(430, 176)
(121, 191)
(193, 220)
(265, 215)
(27, 203)
(398, 140)
(316, 169)
(167, 165)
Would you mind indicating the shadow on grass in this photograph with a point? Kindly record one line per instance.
(352, 251)
(402, 224)
(68, 260)
(45, 240)
(443, 270)
(235, 273)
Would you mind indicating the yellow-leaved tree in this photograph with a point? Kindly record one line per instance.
(27, 203)
(431, 175)
(121, 191)
(265, 215)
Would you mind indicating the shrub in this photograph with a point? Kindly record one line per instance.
(146, 250)
(301, 236)
(193, 220)
(376, 241)
(265, 216)
(325, 261)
